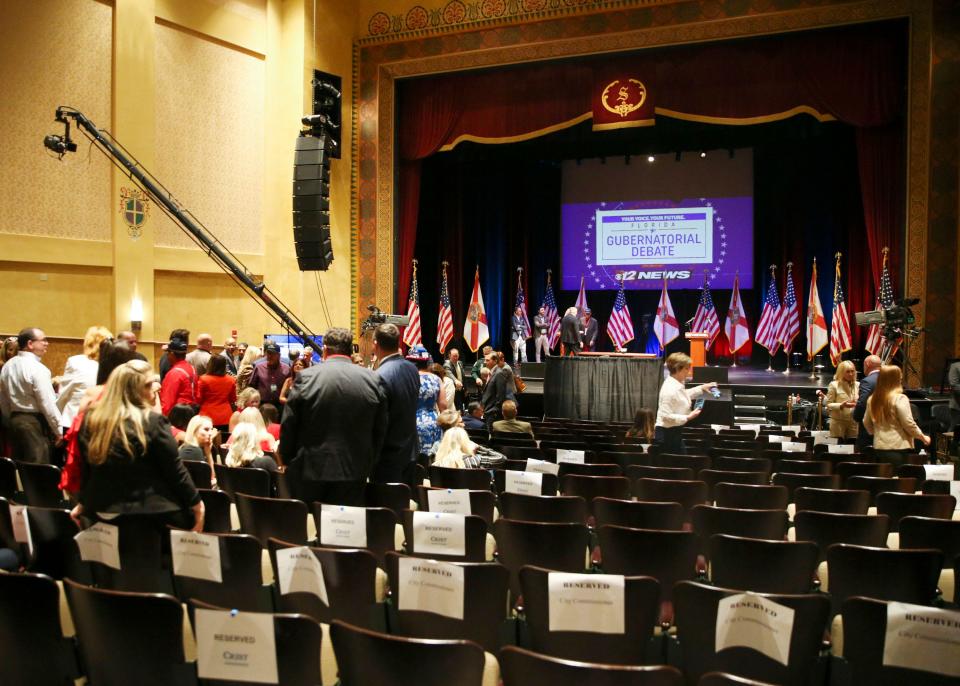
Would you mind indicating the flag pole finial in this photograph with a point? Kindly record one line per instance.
(838, 256)
(789, 265)
(445, 263)
(773, 268)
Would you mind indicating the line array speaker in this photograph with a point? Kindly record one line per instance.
(311, 203)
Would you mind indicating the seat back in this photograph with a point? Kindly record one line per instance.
(835, 500)
(242, 579)
(590, 469)
(246, 480)
(140, 542)
(827, 528)
(907, 576)
(900, 505)
(766, 524)
(485, 606)
(712, 477)
(548, 483)
(112, 651)
(8, 478)
(265, 518)
(805, 466)
(635, 472)
(694, 462)
(41, 484)
(543, 508)
(403, 661)
(216, 518)
(381, 525)
(638, 515)
(724, 679)
(481, 502)
(876, 485)
(561, 547)
(749, 496)
(687, 493)
(927, 532)
(32, 647)
(590, 487)
(847, 469)
(641, 612)
(667, 556)
(395, 497)
(451, 477)
(696, 620)
(200, 472)
(350, 578)
(475, 540)
(763, 566)
(743, 464)
(794, 481)
(54, 550)
(521, 667)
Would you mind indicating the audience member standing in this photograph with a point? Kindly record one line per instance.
(179, 385)
(200, 358)
(454, 369)
(588, 331)
(80, 374)
(268, 377)
(229, 353)
(674, 406)
(9, 350)
(494, 391)
(479, 366)
(889, 418)
(130, 338)
(871, 368)
(333, 426)
(400, 384)
(248, 397)
(217, 393)
(245, 370)
(430, 401)
(570, 332)
(27, 401)
(165, 363)
(447, 388)
(842, 397)
(298, 366)
(953, 380)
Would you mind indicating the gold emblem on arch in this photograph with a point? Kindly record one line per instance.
(624, 96)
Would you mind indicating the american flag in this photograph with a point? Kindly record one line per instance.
(790, 314)
(769, 325)
(522, 304)
(445, 320)
(875, 337)
(840, 324)
(411, 334)
(705, 319)
(550, 303)
(620, 325)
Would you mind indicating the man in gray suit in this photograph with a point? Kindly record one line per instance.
(333, 426)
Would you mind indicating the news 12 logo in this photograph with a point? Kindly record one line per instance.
(656, 275)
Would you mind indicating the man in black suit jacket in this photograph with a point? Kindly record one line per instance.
(495, 392)
(400, 383)
(570, 332)
(871, 369)
(333, 426)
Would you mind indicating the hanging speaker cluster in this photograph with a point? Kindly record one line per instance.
(311, 202)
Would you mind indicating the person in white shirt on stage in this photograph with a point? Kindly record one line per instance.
(675, 405)
(27, 401)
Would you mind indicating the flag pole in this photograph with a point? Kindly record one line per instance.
(785, 348)
(773, 273)
(813, 359)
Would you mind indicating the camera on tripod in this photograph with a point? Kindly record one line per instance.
(895, 321)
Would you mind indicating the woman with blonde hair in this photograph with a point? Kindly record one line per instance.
(889, 418)
(842, 397)
(675, 406)
(245, 370)
(9, 350)
(80, 373)
(248, 397)
(251, 415)
(456, 450)
(245, 449)
(198, 442)
(129, 462)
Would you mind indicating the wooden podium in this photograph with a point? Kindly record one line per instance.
(698, 350)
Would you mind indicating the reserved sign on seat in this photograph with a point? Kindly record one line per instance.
(343, 526)
(236, 646)
(430, 586)
(100, 543)
(196, 555)
(523, 483)
(299, 571)
(587, 602)
(436, 533)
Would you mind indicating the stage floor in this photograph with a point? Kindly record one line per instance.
(759, 376)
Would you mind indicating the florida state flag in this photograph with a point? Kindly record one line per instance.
(621, 101)
(475, 331)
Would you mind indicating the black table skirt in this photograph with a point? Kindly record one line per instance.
(601, 388)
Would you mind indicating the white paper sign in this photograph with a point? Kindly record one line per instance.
(343, 526)
(430, 586)
(646, 447)
(792, 428)
(955, 492)
(755, 428)
(750, 621)
(299, 571)
(825, 440)
(196, 555)
(820, 434)
(776, 438)
(717, 428)
(586, 602)
(435, 533)
(236, 646)
(842, 449)
(570, 456)
(21, 528)
(542, 467)
(922, 638)
(939, 472)
(449, 500)
(100, 543)
(524, 483)
(790, 447)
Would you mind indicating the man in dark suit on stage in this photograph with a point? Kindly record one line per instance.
(871, 369)
(588, 331)
(333, 426)
(495, 392)
(400, 383)
(454, 369)
(570, 332)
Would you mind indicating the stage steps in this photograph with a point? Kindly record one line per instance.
(749, 409)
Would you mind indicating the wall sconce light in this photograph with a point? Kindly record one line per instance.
(136, 315)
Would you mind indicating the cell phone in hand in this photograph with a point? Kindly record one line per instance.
(698, 404)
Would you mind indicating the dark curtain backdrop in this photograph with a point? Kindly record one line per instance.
(501, 216)
(608, 389)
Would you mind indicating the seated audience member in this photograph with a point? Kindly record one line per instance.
(79, 374)
(217, 393)
(271, 418)
(179, 417)
(130, 464)
(448, 419)
(473, 419)
(245, 371)
(643, 425)
(456, 450)
(298, 367)
(510, 423)
(889, 418)
(248, 397)
(245, 450)
(251, 415)
(198, 442)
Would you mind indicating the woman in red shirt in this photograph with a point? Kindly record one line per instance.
(217, 393)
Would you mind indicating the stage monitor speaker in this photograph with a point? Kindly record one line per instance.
(708, 374)
(311, 203)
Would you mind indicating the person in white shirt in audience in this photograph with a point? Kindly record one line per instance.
(674, 408)
(841, 399)
(79, 374)
(889, 418)
(27, 401)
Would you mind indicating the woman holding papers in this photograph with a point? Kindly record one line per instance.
(675, 406)
(842, 397)
(889, 419)
(129, 463)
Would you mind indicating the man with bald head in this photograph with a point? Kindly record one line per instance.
(871, 368)
(230, 355)
(200, 358)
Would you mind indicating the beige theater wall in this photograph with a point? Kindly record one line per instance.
(208, 95)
